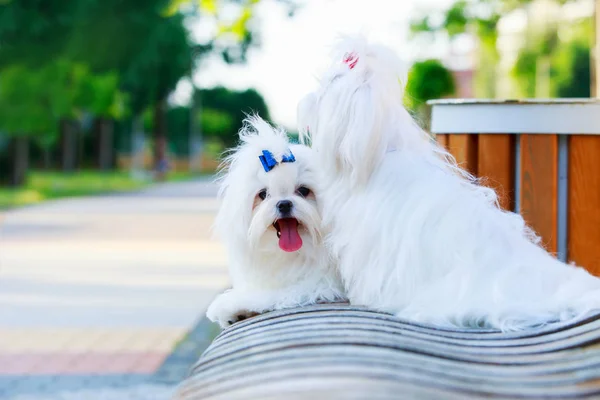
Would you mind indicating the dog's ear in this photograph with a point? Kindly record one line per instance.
(355, 107)
(368, 91)
(360, 147)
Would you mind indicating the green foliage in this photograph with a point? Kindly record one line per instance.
(34, 31)
(225, 111)
(569, 57)
(421, 25)
(473, 16)
(33, 101)
(481, 18)
(75, 90)
(144, 43)
(456, 18)
(428, 80)
(571, 61)
(525, 72)
(149, 51)
(110, 59)
(216, 122)
(103, 97)
(220, 117)
(25, 102)
(179, 129)
(573, 73)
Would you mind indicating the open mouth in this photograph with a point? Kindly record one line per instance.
(288, 235)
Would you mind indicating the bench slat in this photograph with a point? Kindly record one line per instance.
(348, 352)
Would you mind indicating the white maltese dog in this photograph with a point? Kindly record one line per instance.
(413, 233)
(270, 224)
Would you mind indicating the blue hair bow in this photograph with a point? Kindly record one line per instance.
(268, 161)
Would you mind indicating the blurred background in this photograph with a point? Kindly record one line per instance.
(157, 89)
(122, 108)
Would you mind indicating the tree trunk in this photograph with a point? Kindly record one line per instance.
(160, 139)
(68, 146)
(80, 156)
(5, 160)
(105, 129)
(47, 157)
(137, 147)
(14, 162)
(21, 160)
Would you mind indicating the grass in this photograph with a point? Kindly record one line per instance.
(179, 176)
(43, 186)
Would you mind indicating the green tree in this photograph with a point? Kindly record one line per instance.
(428, 80)
(575, 79)
(217, 124)
(145, 44)
(67, 84)
(35, 31)
(25, 113)
(225, 110)
(149, 49)
(108, 104)
(568, 63)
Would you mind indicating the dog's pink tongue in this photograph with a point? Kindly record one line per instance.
(290, 239)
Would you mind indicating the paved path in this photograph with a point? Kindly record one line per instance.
(100, 290)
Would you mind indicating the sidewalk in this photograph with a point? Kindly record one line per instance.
(107, 292)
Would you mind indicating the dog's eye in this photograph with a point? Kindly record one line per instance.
(262, 194)
(303, 191)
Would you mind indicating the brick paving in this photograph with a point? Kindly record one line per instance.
(105, 293)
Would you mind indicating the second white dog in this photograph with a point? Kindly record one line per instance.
(413, 233)
(270, 224)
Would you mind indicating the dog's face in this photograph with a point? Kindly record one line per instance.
(285, 216)
(270, 209)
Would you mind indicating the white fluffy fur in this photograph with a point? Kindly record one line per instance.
(263, 276)
(412, 232)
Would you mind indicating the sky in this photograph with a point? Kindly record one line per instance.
(294, 50)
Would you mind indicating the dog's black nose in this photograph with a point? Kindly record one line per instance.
(284, 206)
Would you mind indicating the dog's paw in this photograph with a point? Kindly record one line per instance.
(241, 315)
(227, 309)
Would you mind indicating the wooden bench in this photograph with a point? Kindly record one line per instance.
(342, 352)
(543, 158)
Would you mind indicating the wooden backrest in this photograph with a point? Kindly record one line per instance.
(543, 159)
